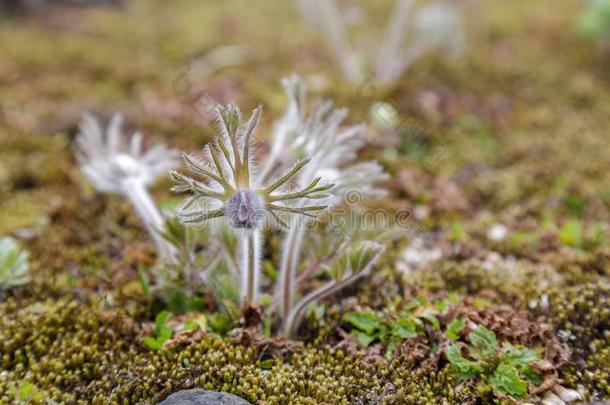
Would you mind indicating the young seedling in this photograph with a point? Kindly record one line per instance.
(370, 327)
(163, 332)
(506, 368)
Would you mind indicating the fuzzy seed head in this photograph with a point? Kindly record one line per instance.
(245, 210)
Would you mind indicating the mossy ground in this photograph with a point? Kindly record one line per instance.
(513, 132)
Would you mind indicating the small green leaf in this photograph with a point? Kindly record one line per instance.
(521, 356)
(152, 343)
(355, 259)
(172, 233)
(365, 321)
(230, 118)
(506, 380)
(441, 306)
(389, 351)
(267, 364)
(463, 368)
(190, 325)
(405, 328)
(530, 374)
(362, 338)
(162, 331)
(454, 329)
(198, 322)
(432, 319)
(161, 323)
(444, 304)
(483, 341)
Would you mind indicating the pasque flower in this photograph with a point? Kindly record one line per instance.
(226, 187)
(308, 146)
(116, 166)
(317, 133)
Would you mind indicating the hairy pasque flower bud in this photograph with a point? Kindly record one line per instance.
(246, 210)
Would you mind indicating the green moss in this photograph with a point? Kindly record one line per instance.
(582, 317)
(74, 353)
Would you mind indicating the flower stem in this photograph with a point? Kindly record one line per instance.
(293, 319)
(250, 243)
(290, 259)
(140, 198)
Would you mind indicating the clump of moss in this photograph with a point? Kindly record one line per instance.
(78, 354)
(582, 312)
(582, 317)
(514, 282)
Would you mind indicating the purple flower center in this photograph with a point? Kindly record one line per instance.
(245, 210)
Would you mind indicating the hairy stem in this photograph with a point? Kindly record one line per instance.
(353, 272)
(291, 254)
(250, 245)
(288, 269)
(293, 319)
(140, 199)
